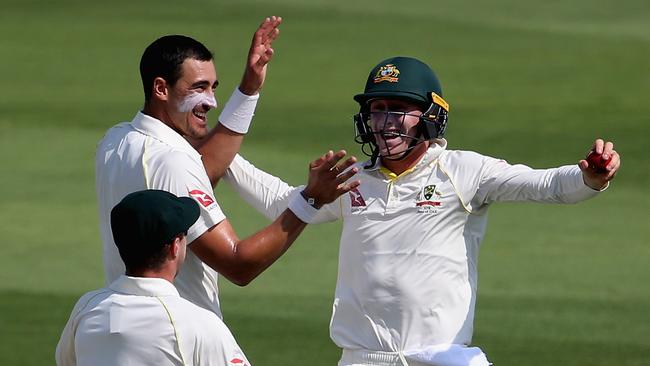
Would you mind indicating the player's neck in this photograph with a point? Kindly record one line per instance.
(156, 111)
(164, 273)
(400, 166)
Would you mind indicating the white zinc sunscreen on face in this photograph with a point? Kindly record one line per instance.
(193, 99)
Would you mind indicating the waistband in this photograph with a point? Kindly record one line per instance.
(375, 358)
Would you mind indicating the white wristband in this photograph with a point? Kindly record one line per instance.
(238, 112)
(303, 210)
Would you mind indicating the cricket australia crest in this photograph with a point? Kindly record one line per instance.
(428, 200)
(388, 73)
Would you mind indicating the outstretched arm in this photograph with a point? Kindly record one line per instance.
(501, 181)
(241, 260)
(223, 141)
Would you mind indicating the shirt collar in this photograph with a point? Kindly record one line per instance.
(433, 152)
(155, 128)
(143, 286)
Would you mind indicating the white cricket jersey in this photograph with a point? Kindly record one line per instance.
(407, 275)
(147, 154)
(144, 321)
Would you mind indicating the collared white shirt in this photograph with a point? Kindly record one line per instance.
(409, 247)
(144, 321)
(147, 154)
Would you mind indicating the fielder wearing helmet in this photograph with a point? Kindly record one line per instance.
(400, 108)
(411, 234)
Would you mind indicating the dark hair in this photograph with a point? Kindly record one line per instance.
(164, 57)
(140, 256)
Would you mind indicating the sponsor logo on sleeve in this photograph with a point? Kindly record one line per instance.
(202, 197)
(238, 359)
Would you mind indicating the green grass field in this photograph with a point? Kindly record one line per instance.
(529, 82)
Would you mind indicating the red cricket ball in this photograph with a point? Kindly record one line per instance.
(597, 163)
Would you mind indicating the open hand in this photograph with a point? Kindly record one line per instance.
(328, 179)
(259, 55)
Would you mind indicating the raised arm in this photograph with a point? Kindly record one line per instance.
(224, 140)
(241, 260)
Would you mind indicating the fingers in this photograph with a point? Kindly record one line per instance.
(347, 187)
(321, 160)
(583, 165)
(267, 32)
(342, 171)
(331, 162)
(613, 165)
(607, 150)
(265, 57)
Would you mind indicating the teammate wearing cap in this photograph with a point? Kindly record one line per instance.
(140, 319)
(407, 275)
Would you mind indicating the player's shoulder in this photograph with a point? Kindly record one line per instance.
(117, 133)
(197, 317)
(92, 299)
(462, 158)
(166, 157)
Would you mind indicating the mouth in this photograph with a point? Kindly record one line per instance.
(390, 134)
(200, 114)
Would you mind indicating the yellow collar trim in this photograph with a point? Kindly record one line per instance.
(392, 176)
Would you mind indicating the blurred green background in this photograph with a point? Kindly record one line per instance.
(527, 81)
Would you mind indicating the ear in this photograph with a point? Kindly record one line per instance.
(175, 248)
(160, 89)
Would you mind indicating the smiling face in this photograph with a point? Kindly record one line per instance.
(190, 98)
(394, 123)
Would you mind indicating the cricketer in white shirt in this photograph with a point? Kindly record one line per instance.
(407, 274)
(144, 321)
(147, 154)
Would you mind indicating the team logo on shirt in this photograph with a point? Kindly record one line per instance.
(202, 197)
(428, 199)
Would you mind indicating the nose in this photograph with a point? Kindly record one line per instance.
(209, 101)
(383, 120)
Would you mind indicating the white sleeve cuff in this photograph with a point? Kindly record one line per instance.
(238, 113)
(303, 210)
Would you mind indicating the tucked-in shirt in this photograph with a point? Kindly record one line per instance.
(147, 154)
(407, 274)
(144, 321)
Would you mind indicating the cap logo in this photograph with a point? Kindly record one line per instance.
(388, 73)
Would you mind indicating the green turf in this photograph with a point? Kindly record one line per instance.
(529, 82)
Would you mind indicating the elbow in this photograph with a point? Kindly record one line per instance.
(241, 281)
(242, 278)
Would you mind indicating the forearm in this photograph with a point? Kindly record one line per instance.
(557, 185)
(266, 193)
(223, 142)
(257, 252)
(241, 260)
(217, 151)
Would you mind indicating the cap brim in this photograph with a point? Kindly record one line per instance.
(191, 211)
(365, 97)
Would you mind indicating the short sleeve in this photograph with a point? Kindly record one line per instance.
(184, 175)
(215, 344)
